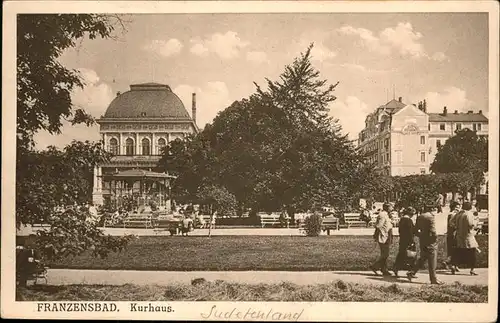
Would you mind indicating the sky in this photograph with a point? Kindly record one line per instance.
(440, 57)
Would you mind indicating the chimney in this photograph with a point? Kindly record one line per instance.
(424, 106)
(456, 111)
(480, 111)
(118, 93)
(445, 111)
(470, 112)
(400, 99)
(194, 107)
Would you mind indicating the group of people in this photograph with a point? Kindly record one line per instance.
(189, 216)
(461, 243)
(368, 215)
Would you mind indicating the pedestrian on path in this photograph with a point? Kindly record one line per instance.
(426, 231)
(407, 249)
(467, 246)
(451, 244)
(383, 236)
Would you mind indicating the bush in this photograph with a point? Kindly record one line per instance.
(312, 225)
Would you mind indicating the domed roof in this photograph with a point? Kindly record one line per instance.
(148, 100)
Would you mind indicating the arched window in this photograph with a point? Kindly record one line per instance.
(113, 146)
(129, 147)
(161, 145)
(146, 147)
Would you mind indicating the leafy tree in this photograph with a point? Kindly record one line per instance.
(464, 152)
(47, 179)
(219, 198)
(278, 148)
(416, 190)
(44, 85)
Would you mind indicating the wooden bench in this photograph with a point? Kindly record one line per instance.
(170, 224)
(330, 223)
(327, 223)
(272, 219)
(206, 222)
(352, 219)
(138, 220)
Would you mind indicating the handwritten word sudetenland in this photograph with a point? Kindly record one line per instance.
(252, 314)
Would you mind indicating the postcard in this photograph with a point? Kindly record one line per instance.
(250, 160)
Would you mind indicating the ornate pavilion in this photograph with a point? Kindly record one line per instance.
(137, 125)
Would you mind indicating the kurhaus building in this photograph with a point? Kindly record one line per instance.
(403, 139)
(137, 125)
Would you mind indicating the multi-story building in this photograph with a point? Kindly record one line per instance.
(137, 125)
(443, 126)
(402, 139)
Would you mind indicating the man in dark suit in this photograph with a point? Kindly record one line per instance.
(425, 228)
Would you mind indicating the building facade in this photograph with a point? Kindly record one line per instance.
(403, 139)
(443, 126)
(137, 125)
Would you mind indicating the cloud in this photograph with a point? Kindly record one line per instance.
(351, 113)
(354, 66)
(257, 57)
(402, 39)
(320, 52)
(368, 38)
(211, 98)
(199, 49)
(167, 48)
(226, 45)
(440, 57)
(452, 97)
(361, 68)
(93, 98)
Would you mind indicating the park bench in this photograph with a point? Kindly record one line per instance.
(271, 219)
(138, 220)
(206, 221)
(352, 219)
(330, 223)
(170, 224)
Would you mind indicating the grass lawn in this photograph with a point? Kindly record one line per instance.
(220, 253)
(337, 291)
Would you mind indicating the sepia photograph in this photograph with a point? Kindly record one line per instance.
(279, 161)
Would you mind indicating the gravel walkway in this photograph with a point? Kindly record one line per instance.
(120, 277)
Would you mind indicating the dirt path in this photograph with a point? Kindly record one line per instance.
(117, 277)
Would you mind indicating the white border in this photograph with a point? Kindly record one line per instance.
(416, 312)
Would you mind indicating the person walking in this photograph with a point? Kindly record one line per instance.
(383, 236)
(451, 245)
(465, 238)
(407, 249)
(425, 229)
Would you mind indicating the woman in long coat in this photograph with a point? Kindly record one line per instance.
(406, 240)
(451, 244)
(465, 238)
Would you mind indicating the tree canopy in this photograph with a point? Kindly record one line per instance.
(466, 151)
(44, 85)
(278, 148)
(51, 178)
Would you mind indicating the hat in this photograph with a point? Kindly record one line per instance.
(410, 211)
